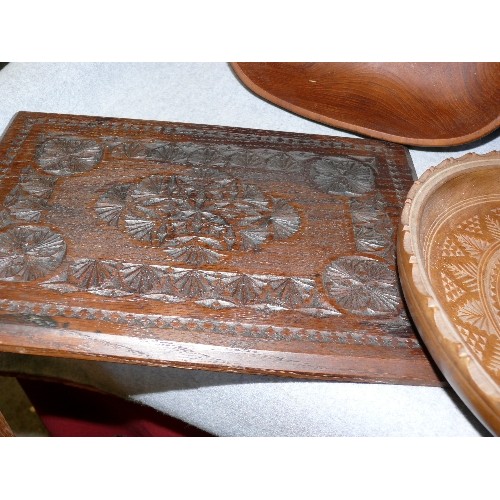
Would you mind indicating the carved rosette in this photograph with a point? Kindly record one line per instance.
(30, 196)
(341, 176)
(68, 156)
(199, 217)
(29, 252)
(362, 285)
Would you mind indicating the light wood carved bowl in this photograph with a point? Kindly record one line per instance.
(449, 267)
(417, 104)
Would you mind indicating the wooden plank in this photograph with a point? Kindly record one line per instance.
(204, 247)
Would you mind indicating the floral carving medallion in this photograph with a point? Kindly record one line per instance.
(233, 241)
(362, 285)
(29, 252)
(68, 156)
(199, 216)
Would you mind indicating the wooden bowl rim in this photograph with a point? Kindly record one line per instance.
(452, 347)
(359, 129)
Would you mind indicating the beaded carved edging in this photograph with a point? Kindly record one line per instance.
(200, 131)
(32, 312)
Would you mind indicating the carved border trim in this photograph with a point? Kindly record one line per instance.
(35, 312)
(169, 284)
(198, 130)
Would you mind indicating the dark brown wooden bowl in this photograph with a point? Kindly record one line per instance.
(417, 104)
(449, 266)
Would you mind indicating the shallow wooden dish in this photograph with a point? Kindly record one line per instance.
(418, 104)
(449, 265)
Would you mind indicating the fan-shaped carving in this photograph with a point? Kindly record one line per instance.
(197, 218)
(29, 252)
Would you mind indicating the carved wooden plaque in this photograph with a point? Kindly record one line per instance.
(204, 247)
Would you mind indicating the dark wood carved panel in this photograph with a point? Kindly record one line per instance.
(204, 247)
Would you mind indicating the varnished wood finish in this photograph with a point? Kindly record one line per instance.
(204, 247)
(449, 264)
(418, 104)
(5, 430)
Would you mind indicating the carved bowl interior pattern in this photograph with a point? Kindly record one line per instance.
(197, 217)
(469, 267)
(68, 156)
(449, 260)
(29, 252)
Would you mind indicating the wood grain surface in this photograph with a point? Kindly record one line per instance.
(205, 247)
(449, 264)
(418, 104)
(5, 430)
